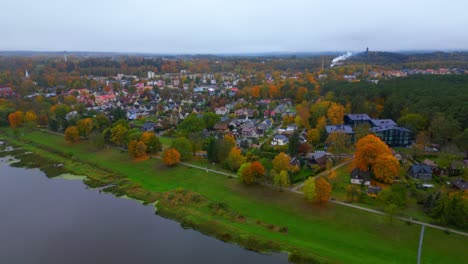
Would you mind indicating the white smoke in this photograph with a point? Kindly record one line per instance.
(343, 57)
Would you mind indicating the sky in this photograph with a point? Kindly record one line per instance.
(233, 26)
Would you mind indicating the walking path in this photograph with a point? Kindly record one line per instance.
(296, 190)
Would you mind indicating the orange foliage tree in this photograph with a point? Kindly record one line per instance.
(322, 190)
(386, 168)
(250, 173)
(335, 114)
(171, 157)
(16, 119)
(72, 134)
(372, 154)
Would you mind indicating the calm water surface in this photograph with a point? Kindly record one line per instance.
(62, 221)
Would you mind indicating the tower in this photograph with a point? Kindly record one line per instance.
(26, 75)
(65, 55)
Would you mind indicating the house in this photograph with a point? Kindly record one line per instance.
(360, 177)
(357, 119)
(280, 140)
(148, 126)
(249, 132)
(348, 130)
(5, 91)
(420, 171)
(319, 158)
(460, 184)
(221, 110)
(221, 127)
(393, 136)
(295, 162)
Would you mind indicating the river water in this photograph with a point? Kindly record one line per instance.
(62, 221)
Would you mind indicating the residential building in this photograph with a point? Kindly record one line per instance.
(420, 172)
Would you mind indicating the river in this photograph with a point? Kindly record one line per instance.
(62, 221)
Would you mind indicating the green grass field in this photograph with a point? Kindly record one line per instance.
(333, 232)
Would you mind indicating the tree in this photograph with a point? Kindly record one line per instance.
(16, 119)
(386, 168)
(443, 128)
(101, 122)
(151, 141)
(72, 134)
(171, 157)
(211, 119)
(132, 148)
(294, 143)
(250, 173)
(140, 150)
(191, 124)
(368, 149)
(322, 190)
(235, 159)
(309, 189)
(118, 134)
(414, 122)
(85, 126)
(352, 192)
(281, 180)
(183, 146)
(30, 119)
(281, 162)
(313, 136)
(336, 113)
(361, 131)
(338, 142)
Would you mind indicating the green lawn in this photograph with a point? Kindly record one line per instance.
(333, 232)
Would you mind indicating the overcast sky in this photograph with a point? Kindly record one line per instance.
(233, 26)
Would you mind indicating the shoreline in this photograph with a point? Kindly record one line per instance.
(121, 187)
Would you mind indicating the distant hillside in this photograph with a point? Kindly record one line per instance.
(412, 60)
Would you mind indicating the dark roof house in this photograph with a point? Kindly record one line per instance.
(420, 171)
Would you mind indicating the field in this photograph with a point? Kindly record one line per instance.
(332, 233)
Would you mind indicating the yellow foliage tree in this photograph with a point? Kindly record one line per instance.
(322, 190)
(72, 134)
(171, 157)
(336, 114)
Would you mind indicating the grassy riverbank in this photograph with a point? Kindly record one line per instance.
(258, 218)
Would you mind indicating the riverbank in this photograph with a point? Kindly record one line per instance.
(257, 218)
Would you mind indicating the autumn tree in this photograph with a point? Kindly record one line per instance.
(151, 141)
(171, 157)
(313, 136)
(16, 119)
(85, 126)
(372, 154)
(338, 142)
(281, 180)
(282, 162)
(235, 159)
(368, 149)
(322, 190)
(250, 173)
(386, 168)
(30, 118)
(72, 134)
(118, 134)
(335, 114)
(309, 189)
(137, 149)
